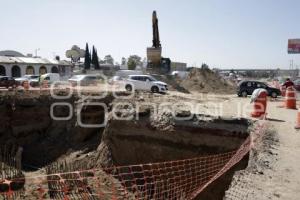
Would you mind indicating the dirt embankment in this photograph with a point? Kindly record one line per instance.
(27, 123)
(163, 138)
(148, 139)
(127, 142)
(207, 81)
(246, 184)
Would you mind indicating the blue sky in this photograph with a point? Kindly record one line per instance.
(221, 33)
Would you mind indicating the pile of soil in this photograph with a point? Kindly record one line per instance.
(207, 81)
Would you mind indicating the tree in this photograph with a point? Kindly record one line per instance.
(131, 64)
(93, 56)
(133, 61)
(204, 66)
(101, 62)
(87, 57)
(95, 59)
(108, 59)
(97, 65)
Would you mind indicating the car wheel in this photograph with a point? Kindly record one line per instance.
(274, 95)
(154, 89)
(244, 94)
(128, 88)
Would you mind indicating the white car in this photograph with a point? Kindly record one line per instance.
(115, 80)
(50, 78)
(30, 78)
(84, 80)
(146, 83)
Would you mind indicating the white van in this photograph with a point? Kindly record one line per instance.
(50, 77)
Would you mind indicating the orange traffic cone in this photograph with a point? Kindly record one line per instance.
(298, 121)
(282, 90)
(290, 98)
(260, 105)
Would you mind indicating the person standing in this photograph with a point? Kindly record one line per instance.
(288, 83)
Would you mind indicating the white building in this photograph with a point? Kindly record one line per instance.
(15, 64)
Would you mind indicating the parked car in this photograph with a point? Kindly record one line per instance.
(115, 80)
(247, 87)
(145, 82)
(126, 73)
(32, 79)
(297, 84)
(50, 77)
(180, 74)
(84, 80)
(7, 81)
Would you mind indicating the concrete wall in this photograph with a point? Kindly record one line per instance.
(36, 67)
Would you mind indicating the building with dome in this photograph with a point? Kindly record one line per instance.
(15, 64)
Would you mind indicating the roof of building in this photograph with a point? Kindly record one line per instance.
(32, 60)
(11, 53)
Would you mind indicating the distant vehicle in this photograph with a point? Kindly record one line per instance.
(180, 74)
(145, 82)
(126, 73)
(32, 79)
(297, 84)
(84, 80)
(115, 80)
(246, 88)
(50, 78)
(7, 81)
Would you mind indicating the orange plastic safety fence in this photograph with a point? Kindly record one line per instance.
(181, 179)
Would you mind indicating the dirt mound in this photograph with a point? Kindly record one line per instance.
(207, 81)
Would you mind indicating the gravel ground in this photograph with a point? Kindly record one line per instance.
(275, 173)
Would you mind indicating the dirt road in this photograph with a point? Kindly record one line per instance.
(281, 178)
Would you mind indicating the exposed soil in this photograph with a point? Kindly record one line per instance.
(207, 81)
(273, 172)
(26, 122)
(148, 138)
(129, 141)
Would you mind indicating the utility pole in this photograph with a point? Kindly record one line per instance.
(291, 67)
(291, 64)
(36, 50)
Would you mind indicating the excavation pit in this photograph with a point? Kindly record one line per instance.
(138, 142)
(187, 146)
(162, 142)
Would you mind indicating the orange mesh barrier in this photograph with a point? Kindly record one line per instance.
(181, 179)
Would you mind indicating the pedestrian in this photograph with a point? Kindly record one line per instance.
(288, 83)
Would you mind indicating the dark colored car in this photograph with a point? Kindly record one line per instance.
(246, 88)
(7, 81)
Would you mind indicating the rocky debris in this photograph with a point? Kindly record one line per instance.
(163, 121)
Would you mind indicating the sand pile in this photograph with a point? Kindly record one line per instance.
(205, 80)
